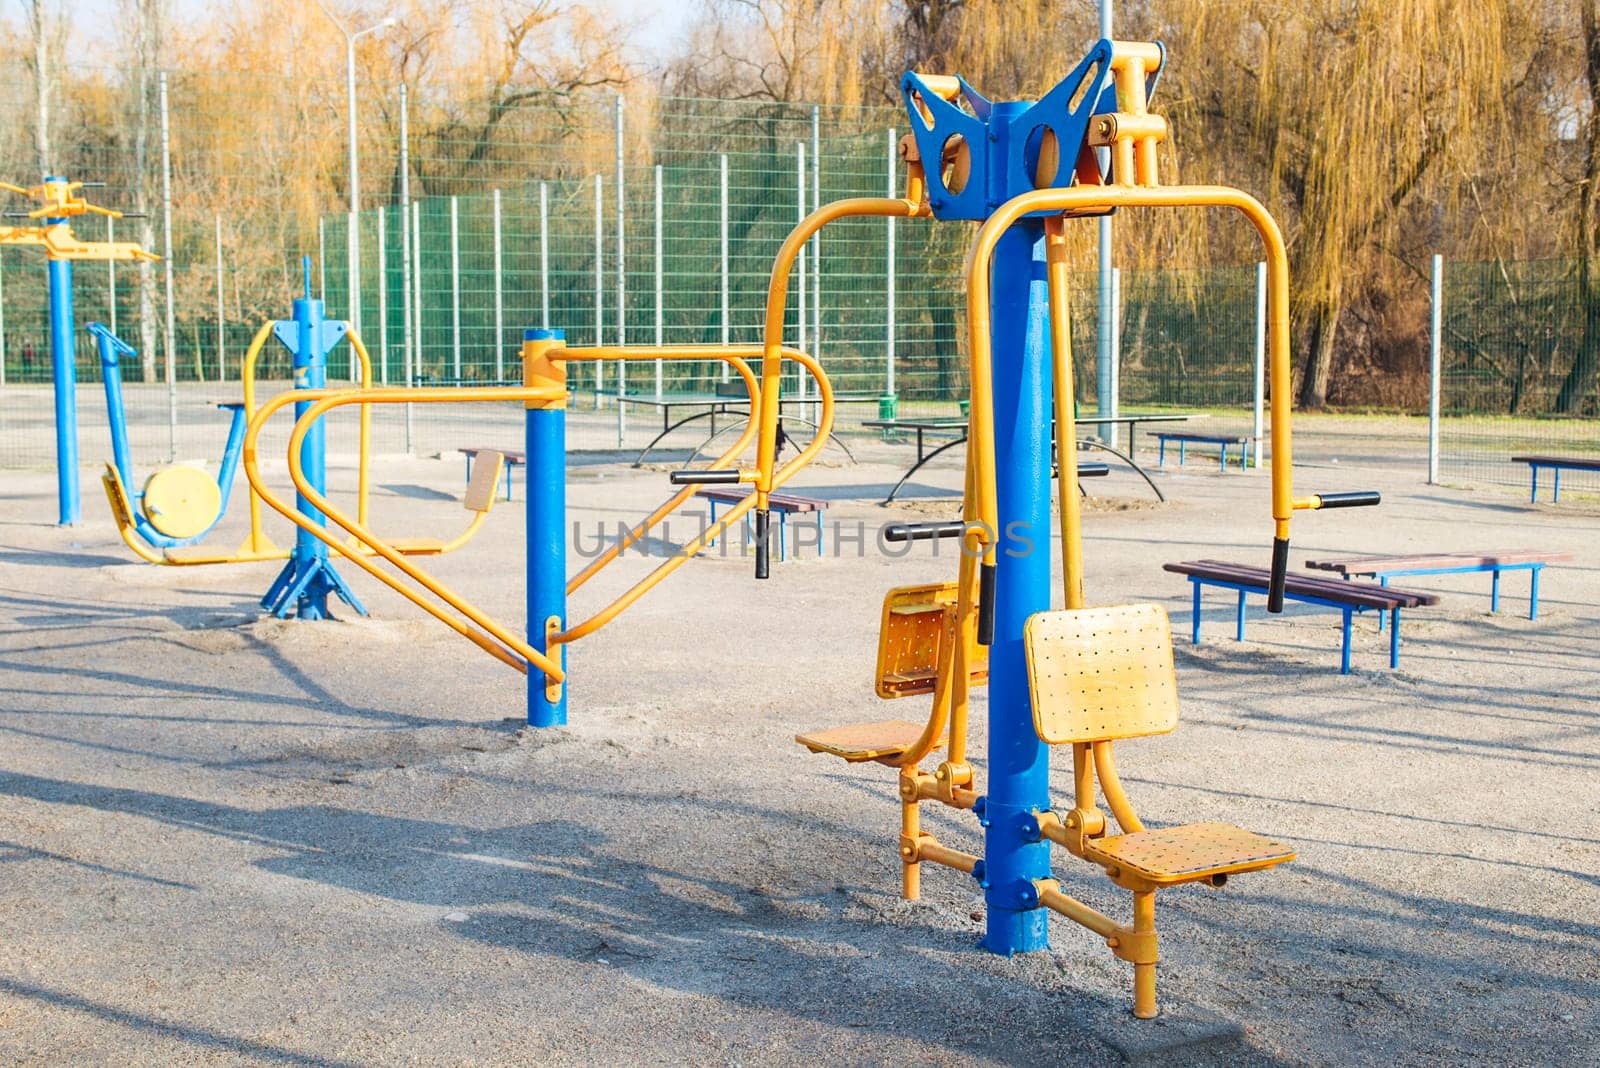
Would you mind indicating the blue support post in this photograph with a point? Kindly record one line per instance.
(1194, 616)
(1344, 653)
(1394, 636)
(302, 587)
(1238, 624)
(545, 443)
(1533, 598)
(63, 361)
(1494, 591)
(1019, 763)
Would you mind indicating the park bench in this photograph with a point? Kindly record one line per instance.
(1383, 568)
(1556, 464)
(784, 504)
(1187, 438)
(1348, 597)
(512, 457)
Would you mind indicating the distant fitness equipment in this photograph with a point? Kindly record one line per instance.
(178, 506)
(59, 204)
(1084, 677)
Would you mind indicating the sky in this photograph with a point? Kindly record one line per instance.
(654, 22)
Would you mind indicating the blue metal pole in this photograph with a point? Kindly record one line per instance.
(116, 414)
(545, 445)
(1019, 763)
(311, 372)
(63, 358)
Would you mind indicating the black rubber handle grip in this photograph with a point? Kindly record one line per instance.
(763, 558)
(1089, 470)
(924, 531)
(986, 576)
(703, 478)
(1353, 499)
(1280, 574)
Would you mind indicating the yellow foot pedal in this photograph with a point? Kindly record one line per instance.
(865, 741)
(918, 622)
(403, 546)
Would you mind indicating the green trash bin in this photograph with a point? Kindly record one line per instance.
(966, 408)
(889, 408)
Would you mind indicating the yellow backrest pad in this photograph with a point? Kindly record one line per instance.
(485, 477)
(917, 624)
(1101, 673)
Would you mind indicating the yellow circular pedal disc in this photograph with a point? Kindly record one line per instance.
(181, 502)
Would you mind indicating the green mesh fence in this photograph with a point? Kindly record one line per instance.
(491, 220)
(1511, 379)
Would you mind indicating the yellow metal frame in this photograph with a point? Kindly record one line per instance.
(57, 200)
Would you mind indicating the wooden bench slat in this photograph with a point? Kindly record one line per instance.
(1576, 463)
(512, 456)
(1208, 438)
(789, 502)
(1367, 565)
(1363, 594)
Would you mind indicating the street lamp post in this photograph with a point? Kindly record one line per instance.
(352, 230)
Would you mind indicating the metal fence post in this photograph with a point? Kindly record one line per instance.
(222, 367)
(111, 296)
(800, 266)
(1435, 363)
(406, 265)
(170, 336)
(622, 276)
(383, 295)
(499, 297)
(888, 275)
(3, 321)
(455, 289)
(416, 277)
(322, 259)
(722, 203)
(599, 284)
(661, 321)
(1258, 427)
(544, 255)
(1114, 402)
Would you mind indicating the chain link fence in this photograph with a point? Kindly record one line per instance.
(1516, 377)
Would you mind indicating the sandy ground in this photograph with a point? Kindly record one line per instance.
(233, 840)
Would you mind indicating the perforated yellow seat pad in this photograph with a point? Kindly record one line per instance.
(1193, 851)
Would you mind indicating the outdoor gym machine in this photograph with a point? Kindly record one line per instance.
(1022, 169)
(59, 205)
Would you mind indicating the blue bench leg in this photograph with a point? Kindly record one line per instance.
(1533, 498)
(783, 536)
(820, 552)
(508, 481)
(1394, 636)
(1194, 619)
(1494, 591)
(1161, 452)
(712, 543)
(1344, 655)
(1556, 497)
(1383, 580)
(1183, 451)
(1238, 626)
(1224, 457)
(1533, 598)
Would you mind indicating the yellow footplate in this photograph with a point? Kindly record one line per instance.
(917, 623)
(1188, 853)
(865, 741)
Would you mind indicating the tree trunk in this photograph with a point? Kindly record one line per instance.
(39, 30)
(146, 17)
(1580, 379)
(1319, 361)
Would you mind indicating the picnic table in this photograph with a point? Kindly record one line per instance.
(957, 425)
(709, 405)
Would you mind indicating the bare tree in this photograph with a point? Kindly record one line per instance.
(145, 23)
(47, 34)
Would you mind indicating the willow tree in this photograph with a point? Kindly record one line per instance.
(1580, 380)
(1350, 110)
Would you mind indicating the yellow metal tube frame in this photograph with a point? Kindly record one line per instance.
(732, 357)
(489, 636)
(777, 477)
(1082, 198)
